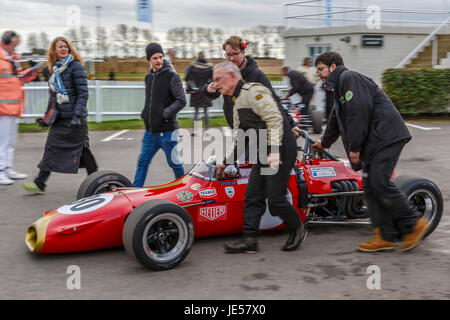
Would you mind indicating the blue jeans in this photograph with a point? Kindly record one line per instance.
(151, 143)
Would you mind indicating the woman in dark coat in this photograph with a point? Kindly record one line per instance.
(67, 146)
(200, 73)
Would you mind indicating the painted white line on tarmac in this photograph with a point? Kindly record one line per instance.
(422, 128)
(114, 136)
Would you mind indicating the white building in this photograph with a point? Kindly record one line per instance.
(369, 51)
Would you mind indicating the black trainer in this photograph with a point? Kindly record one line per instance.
(246, 244)
(295, 238)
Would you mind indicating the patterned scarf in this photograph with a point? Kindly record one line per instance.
(55, 82)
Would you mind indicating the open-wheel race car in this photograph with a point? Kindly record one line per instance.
(157, 225)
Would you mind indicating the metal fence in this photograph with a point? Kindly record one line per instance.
(111, 100)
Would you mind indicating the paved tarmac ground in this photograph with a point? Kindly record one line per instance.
(327, 266)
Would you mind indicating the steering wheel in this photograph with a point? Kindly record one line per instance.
(212, 171)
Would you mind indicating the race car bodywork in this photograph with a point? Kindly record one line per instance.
(157, 224)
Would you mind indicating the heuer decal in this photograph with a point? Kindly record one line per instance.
(185, 196)
(213, 213)
(321, 172)
(196, 186)
(207, 193)
(229, 191)
(228, 183)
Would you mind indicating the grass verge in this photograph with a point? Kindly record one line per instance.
(134, 124)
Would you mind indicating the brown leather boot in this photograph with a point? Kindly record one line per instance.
(376, 243)
(412, 240)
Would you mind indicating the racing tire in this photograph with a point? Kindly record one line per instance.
(100, 182)
(159, 234)
(316, 119)
(425, 197)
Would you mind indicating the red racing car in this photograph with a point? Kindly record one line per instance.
(157, 225)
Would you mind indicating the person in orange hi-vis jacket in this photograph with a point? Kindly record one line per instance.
(12, 96)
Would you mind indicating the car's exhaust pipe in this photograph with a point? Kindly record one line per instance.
(36, 233)
(32, 241)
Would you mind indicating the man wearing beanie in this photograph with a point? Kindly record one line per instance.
(164, 97)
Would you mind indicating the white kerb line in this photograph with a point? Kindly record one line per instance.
(115, 135)
(422, 128)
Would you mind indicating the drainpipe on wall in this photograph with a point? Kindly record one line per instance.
(434, 51)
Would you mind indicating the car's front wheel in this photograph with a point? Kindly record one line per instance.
(159, 234)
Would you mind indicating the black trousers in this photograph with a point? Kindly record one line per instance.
(306, 98)
(388, 206)
(87, 161)
(196, 114)
(273, 187)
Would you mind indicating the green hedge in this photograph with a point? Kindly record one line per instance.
(418, 91)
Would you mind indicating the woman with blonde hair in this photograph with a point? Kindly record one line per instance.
(67, 146)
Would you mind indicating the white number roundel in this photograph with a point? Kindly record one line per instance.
(267, 220)
(86, 205)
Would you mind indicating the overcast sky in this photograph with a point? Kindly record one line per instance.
(51, 16)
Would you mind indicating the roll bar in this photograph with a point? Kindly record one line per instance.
(307, 147)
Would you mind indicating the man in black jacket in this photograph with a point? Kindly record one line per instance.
(164, 97)
(373, 134)
(299, 85)
(234, 48)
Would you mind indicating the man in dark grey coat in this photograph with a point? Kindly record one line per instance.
(373, 134)
(164, 97)
(300, 85)
(199, 73)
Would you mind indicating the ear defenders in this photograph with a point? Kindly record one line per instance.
(9, 37)
(242, 45)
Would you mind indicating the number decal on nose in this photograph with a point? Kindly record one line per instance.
(86, 205)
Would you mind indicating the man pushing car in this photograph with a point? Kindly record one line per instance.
(373, 134)
(255, 109)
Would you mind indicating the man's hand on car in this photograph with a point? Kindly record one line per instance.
(317, 145)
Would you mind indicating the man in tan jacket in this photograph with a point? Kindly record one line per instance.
(255, 109)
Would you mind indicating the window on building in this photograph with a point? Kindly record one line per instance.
(316, 50)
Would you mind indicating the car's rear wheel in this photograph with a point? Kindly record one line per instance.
(102, 181)
(159, 234)
(425, 196)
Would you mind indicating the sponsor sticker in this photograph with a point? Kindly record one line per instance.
(242, 181)
(185, 196)
(86, 205)
(207, 193)
(213, 213)
(321, 172)
(293, 171)
(196, 186)
(229, 191)
(228, 183)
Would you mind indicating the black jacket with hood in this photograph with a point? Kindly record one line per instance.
(364, 117)
(164, 97)
(250, 73)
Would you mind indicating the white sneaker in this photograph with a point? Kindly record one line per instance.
(4, 179)
(11, 174)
